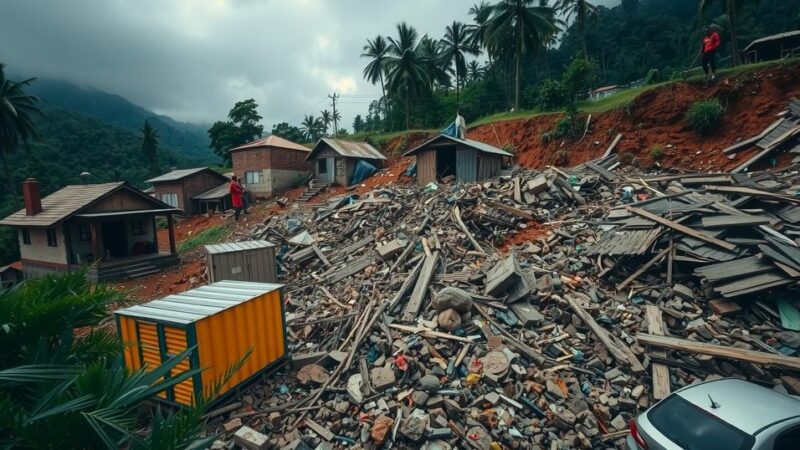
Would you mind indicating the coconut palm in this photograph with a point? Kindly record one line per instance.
(480, 13)
(325, 119)
(526, 27)
(732, 10)
(438, 65)
(582, 11)
(17, 110)
(456, 45)
(406, 68)
(377, 50)
(474, 71)
(311, 127)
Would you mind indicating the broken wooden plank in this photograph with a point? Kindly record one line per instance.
(511, 210)
(421, 288)
(724, 307)
(613, 145)
(749, 142)
(733, 221)
(753, 193)
(769, 149)
(655, 325)
(427, 332)
(644, 268)
(391, 248)
(719, 350)
(681, 228)
(460, 223)
(350, 269)
(323, 432)
(320, 255)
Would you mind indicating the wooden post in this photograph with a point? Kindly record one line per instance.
(95, 244)
(171, 225)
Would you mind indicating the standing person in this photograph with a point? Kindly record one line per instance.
(245, 197)
(711, 42)
(236, 196)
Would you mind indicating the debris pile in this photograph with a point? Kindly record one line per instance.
(408, 326)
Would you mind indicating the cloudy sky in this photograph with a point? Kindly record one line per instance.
(192, 59)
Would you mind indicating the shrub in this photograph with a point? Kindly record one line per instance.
(570, 126)
(657, 152)
(651, 77)
(551, 94)
(705, 115)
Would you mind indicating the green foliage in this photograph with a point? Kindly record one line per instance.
(551, 95)
(657, 152)
(150, 147)
(287, 131)
(211, 235)
(312, 128)
(568, 127)
(578, 78)
(704, 115)
(651, 77)
(241, 127)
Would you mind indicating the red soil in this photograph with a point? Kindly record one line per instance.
(534, 232)
(657, 118)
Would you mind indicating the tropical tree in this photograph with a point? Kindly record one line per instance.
(480, 13)
(732, 9)
(520, 24)
(456, 45)
(241, 127)
(437, 63)
(325, 119)
(377, 50)
(582, 11)
(406, 67)
(17, 110)
(474, 71)
(287, 131)
(150, 146)
(312, 127)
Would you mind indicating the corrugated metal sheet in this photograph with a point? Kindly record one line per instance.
(466, 163)
(273, 141)
(349, 149)
(480, 146)
(489, 165)
(183, 309)
(64, 203)
(237, 246)
(772, 38)
(176, 175)
(215, 193)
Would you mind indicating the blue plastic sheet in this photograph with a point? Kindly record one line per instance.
(362, 171)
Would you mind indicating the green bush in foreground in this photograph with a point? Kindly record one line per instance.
(705, 115)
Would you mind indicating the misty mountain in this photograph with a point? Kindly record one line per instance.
(186, 138)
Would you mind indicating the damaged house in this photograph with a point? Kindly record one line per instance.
(465, 159)
(270, 165)
(181, 188)
(110, 226)
(344, 162)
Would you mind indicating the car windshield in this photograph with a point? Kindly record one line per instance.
(694, 429)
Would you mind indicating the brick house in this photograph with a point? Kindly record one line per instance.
(179, 188)
(270, 165)
(110, 227)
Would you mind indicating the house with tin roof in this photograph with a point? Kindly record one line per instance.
(181, 188)
(270, 165)
(337, 160)
(110, 227)
(466, 159)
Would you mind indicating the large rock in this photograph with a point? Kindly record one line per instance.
(449, 320)
(452, 297)
(381, 427)
(312, 373)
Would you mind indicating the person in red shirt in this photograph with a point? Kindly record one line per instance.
(711, 42)
(237, 196)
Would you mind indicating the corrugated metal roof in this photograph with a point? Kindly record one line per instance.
(199, 303)
(772, 38)
(229, 247)
(64, 203)
(179, 174)
(273, 141)
(349, 149)
(480, 146)
(215, 193)
(126, 212)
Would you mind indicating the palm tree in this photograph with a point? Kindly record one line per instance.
(474, 71)
(480, 13)
(456, 45)
(582, 10)
(406, 68)
(311, 126)
(438, 65)
(16, 121)
(377, 49)
(526, 27)
(732, 9)
(150, 146)
(325, 119)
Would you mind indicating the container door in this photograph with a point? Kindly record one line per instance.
(150, 350)
(175, 340)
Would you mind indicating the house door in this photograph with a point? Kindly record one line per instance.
(325, 168)
(115, 239)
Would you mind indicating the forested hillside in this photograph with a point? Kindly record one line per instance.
(189, 139)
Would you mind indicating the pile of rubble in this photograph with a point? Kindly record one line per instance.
(409, 327)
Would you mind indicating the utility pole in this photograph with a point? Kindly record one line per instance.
(335, 125)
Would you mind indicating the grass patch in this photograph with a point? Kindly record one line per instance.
(211, 235)
(705, 115)
(508, 115)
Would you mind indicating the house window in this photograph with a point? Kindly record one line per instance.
(137, 227)
(26, 237)
(84, 233)
(322, 166)
(253, 177)
(170, 199)
(52, 241)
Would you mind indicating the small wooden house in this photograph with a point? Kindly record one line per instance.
(777, 46)
(179, 188)
(466, 159)
(335, 160)
(270, 165)
(111, 226)
(603, 92)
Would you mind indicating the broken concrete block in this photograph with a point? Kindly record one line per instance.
(381, 426)
(250, 439)
(312, 373)
(232, 425)
(382, 378)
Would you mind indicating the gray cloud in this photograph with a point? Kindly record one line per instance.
(192, 59)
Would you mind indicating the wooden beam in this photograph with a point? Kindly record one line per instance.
(460, 223)
(96, 242)
(719, 350)
(511, 210)
(661, 384)
(752, 193)
(769, 149)
(643, 268)
(752, 140)
(613, 145)
(171, 226)
(681, 228)
(421, 288)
